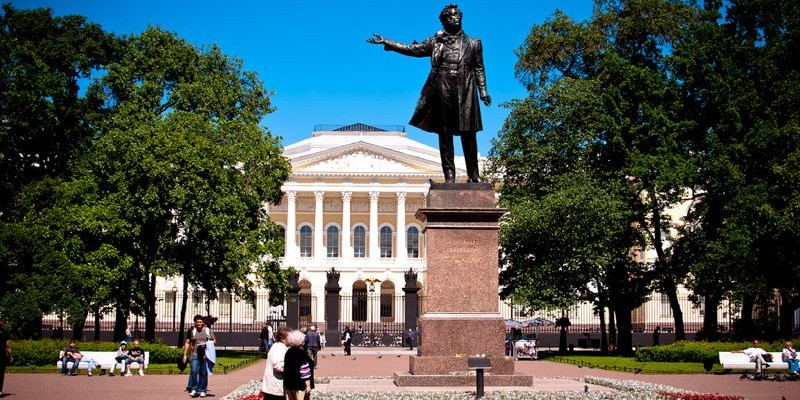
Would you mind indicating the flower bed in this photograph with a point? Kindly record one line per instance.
(625, 390)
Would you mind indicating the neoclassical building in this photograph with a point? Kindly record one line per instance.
(350, 204)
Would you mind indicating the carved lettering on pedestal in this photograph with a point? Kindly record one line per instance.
(463, 252)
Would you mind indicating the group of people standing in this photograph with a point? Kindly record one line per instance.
(289, 373)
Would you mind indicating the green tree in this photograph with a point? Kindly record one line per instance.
(183, 158)
(602, 103)
(741, 86)
(45, 124)
(44, 120)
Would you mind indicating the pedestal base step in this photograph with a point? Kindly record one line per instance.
(403, 379)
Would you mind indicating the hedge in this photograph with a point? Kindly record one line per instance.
(689, 351)
(45, 351)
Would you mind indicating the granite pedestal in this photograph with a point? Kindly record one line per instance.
(461, 317)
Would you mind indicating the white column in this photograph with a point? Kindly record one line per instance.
(347, 249)
(402, 253)
(291, 226)
(319, 249)
(374, 245)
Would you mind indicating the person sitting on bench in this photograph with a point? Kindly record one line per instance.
(758, 356)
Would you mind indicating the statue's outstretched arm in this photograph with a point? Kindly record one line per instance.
(376, 39)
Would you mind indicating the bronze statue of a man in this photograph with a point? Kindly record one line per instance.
(448, 104)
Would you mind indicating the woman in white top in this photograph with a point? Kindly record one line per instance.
(789, 356)
(272, 383)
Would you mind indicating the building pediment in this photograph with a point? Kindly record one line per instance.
(362, 158)
(360, 161)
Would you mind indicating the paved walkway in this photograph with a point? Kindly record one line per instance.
(374, 367)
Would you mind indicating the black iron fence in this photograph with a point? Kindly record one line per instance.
(377, 319)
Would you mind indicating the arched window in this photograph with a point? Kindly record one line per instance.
(386, 242)
(359, 242)
(305, 241)
(412, 242)
(333, 242)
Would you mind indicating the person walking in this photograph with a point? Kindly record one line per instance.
(410, 337)
(298, 374)
(313, 343)
(194, 351)
(272, 382)
(347, 340)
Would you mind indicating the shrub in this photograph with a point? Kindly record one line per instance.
(689, 351)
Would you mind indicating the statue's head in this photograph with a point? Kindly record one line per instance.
(450, 17)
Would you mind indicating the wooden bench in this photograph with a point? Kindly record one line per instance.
(102, 360)
(730, 360)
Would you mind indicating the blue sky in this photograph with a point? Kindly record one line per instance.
(315, 58)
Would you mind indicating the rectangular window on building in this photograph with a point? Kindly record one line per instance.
(225, 305)
(198, 303)
(386, 308)
(170, 303)
(412, 242)
(666, 310)
(386, 242)
(305, 241)
(359, 242)
(332, 242)
(249, 311)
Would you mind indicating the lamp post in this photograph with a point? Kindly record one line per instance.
(174, 303)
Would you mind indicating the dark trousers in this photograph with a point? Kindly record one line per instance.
(64, 362)
(469, 145)
(347, 348)
(2, 374)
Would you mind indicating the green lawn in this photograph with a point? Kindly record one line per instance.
(617, 363)
(227, 361)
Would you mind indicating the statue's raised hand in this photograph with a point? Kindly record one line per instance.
(377, 39)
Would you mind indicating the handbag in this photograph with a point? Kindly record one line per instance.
(181, 364)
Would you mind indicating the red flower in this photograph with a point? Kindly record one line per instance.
(699, 396)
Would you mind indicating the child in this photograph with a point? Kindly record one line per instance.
(122, 355)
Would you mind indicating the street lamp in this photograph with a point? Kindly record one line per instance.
(174, 303)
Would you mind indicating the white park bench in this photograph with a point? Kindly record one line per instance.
(102, 360)
(730, 360)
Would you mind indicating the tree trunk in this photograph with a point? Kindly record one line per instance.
(612, 330)
(710, 321)
(120, 323)
(677, 314)
(184, 301)
(603, 335)
(669, 286)
(96, 323)
(77, 327)
(787, 314)
(746, 322)
(562, 340)
(150, 311)
(625, 332)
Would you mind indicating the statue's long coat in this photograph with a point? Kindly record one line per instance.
(472, 77)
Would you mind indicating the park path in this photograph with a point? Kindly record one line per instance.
(375, 367)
